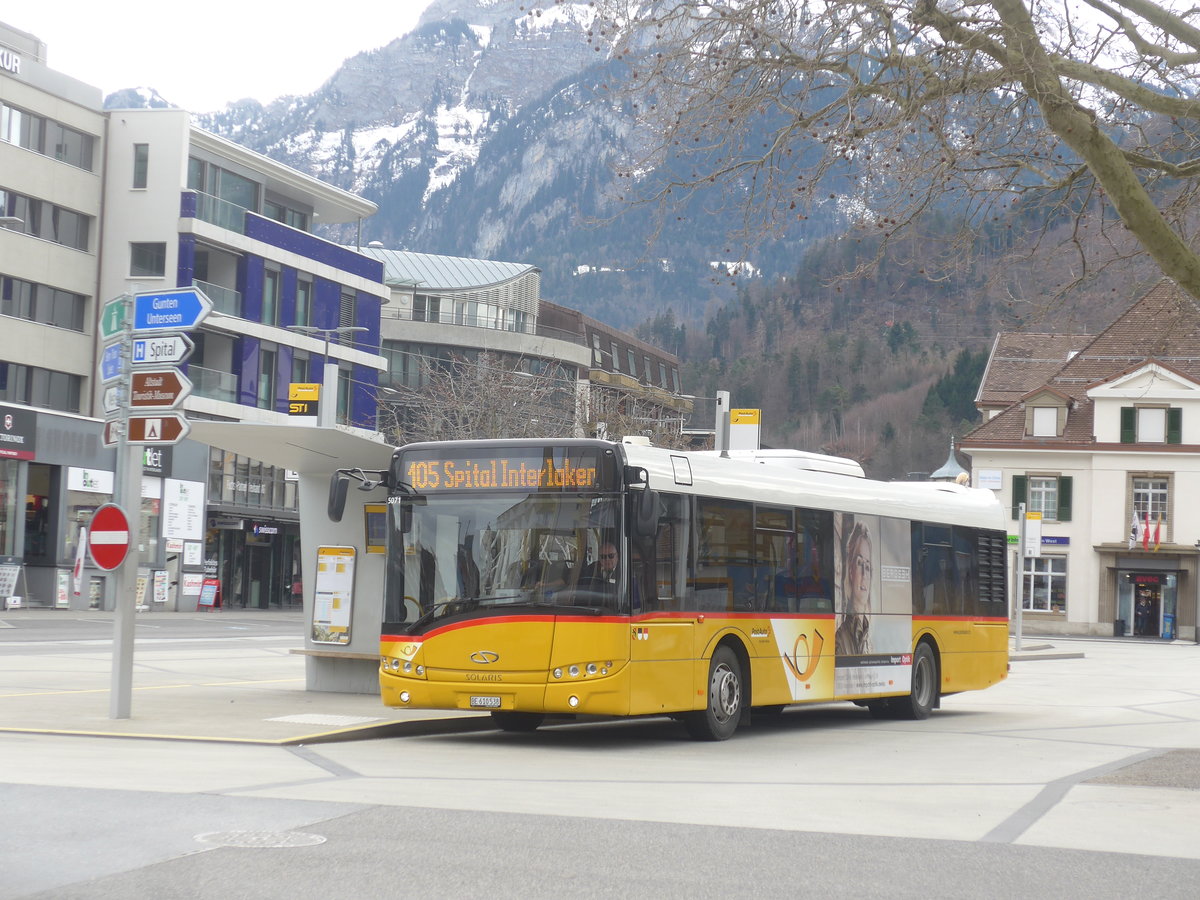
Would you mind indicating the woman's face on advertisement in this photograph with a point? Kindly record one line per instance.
(859, 569)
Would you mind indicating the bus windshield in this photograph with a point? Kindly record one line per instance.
(479, 554)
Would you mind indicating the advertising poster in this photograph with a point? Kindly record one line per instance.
(873, 603)
(333, 595)
(183, 510)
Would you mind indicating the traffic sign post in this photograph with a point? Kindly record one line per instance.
(108, 536)
(163, 349)
(165, 428)
(110, 362)
(170, 310)
(112, 319)
(158, 389)
(136, 321)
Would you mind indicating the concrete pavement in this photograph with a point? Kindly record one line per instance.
(246, 686)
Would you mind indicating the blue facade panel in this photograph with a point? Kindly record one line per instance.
(312, 247)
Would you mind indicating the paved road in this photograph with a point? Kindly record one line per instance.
(1076, 778)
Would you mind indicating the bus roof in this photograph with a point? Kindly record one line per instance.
(787, 479)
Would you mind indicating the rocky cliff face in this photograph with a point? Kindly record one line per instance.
(488, 131)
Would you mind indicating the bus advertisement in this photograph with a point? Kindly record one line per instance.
(594, 578)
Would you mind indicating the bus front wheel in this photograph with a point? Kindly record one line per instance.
(507, 720)
(719, 719)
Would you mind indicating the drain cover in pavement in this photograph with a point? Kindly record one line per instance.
(260, 838)
(319, 719)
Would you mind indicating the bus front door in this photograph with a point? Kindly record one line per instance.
(662, 666)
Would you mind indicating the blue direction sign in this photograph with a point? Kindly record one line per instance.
(170, 310)
(110, 363)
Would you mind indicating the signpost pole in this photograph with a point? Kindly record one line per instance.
(128, 490)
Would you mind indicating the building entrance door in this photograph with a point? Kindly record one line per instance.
(1147, 606)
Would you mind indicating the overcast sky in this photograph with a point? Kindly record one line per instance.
(203, 55)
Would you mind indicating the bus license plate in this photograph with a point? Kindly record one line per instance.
(485, 702)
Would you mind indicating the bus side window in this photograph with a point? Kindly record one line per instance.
(664, 577)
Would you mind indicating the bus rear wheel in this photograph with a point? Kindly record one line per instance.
(924, 693)
(719, 719)
(507, 720)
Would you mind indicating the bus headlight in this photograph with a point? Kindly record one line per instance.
(396, 666)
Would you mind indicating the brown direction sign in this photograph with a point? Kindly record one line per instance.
(158, 388)
(168, 428)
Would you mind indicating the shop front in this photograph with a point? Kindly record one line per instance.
(252, 544)
(1147, 604)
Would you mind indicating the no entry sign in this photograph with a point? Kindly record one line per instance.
(108, 537)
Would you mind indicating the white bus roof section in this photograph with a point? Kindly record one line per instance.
(742, 477)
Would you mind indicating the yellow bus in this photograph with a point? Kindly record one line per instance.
(580, 578)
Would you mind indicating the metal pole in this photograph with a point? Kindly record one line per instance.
(327, 408)
(1019, 569)
(722, 436)
(128, 495)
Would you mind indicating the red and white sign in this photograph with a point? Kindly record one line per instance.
(108, 538)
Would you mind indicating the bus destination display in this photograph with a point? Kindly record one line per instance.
(561, 470)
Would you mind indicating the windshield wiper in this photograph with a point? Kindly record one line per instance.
(458, 605)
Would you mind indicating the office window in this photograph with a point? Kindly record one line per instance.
(141, 165)
(47, 137)
(41, 303)
(270, 297)
(300, 365)
(45, 220)
(45, 388)
(148, 260)
(426, 309)
(266, 379)
(304, 302)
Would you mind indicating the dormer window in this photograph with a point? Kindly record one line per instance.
(1045, 414)
(1151, 425)
(1045, 421)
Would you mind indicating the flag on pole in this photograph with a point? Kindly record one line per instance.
(1157, 532)
(1146, 532)
(1133, 531)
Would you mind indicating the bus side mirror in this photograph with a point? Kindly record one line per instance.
(645, 513)
(339, 484)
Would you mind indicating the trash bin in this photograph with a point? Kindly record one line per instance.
(1119, 628)
(1169, 626)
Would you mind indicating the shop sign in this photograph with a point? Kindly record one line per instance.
(18, 432)
(266, 529)
(92, 481)
(155, 460)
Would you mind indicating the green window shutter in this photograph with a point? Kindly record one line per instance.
(1064, 498)
(1174, 425)
(1128, 425)
(1020, 495)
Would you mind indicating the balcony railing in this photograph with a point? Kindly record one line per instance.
(212, 384)
(220, 212)
(488, 323)
(225, 300)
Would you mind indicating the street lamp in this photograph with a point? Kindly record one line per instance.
(327, 405)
